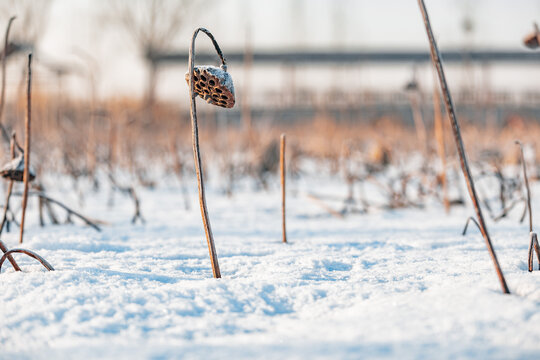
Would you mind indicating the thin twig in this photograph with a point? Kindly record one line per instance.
(436, 59)
(91, 223)
(319, 202)
(469, 219)
(283, 191)
(6, 208)
(518, 143)
(441, 151)
(3, 90)
(28, 122)
(129, 190)
(178, 167)
(10, 186)
(509, 208)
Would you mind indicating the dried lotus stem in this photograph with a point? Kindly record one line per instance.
(283, 192)
(26, 176)
(533, 247)
(469, 219)
(6, 208)
(436, 59)
(3, 90)
(195, 140)
(29, 253)
(526, 178)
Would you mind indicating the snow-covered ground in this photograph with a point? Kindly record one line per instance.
(389, 284)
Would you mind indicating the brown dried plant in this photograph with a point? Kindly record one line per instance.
(195, 139)
(533, 244)
(436, 59)
(283, 190)
(8, 253)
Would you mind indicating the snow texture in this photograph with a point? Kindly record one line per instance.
(389, 284)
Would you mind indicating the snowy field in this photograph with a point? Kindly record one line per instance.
(389, 284)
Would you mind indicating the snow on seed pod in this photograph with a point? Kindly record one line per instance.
(214, 85)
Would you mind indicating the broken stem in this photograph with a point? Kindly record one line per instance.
(534, 247)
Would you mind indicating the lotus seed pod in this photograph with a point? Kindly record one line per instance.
(532, 41)
(14, 170)
(214, 85)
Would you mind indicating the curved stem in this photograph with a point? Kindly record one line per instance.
(43, 196)
(29, 253)
(214, 42)
(196, 151)
(469, 219)
(436, 59)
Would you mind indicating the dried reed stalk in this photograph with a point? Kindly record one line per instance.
(196, 151)
(28, 123)
(533, 244)
(436, 59)
(283, 191)
(317, 200)
(178, 166)
(441, 151)
(130, 191)
(526, 179)
(6, 208)
(29, 253)
(48, 200)
(3, 90)
(419, 125)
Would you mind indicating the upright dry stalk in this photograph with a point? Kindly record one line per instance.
(28, 121)
(441, 151)
(3, 90)
(436, 59)
(419, 121)
(283, 191)
(196, 151)
(526, 179)
(533, 243)
(6, 208)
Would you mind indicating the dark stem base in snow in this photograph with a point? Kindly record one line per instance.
(534, 247)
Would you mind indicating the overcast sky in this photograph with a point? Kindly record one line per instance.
(345, 24)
